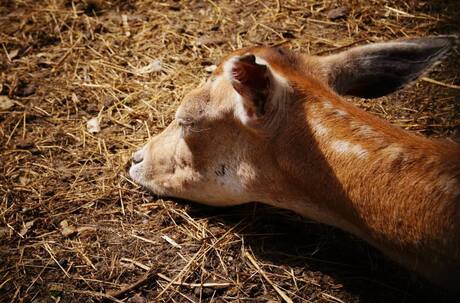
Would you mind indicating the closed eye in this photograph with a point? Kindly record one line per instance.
(189, 126)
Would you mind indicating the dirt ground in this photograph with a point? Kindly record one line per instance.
(74, 228)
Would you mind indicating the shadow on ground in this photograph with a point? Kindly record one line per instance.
(281, 237)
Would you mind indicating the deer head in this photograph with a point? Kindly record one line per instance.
(223, 147)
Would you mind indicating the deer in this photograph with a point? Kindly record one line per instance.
(271, 125)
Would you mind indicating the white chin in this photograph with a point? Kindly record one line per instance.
(136, 173)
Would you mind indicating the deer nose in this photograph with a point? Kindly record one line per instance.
(138, 156)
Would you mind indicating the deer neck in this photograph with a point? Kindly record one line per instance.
(362, 174)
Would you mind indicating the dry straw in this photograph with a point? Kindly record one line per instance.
(74, 228)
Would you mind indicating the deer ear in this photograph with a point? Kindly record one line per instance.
(379, 69)
(251, 81)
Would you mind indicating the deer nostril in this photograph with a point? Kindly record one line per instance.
(138, 156)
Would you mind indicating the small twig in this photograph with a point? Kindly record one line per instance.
(124, 19)
(35, 279)
(440, 83)
(138, 264)
(86, 259)
(144, 239)
(397, 11)
(279, 291)
(193, 285)
(179, 275)
(67, 53)
(171, 241)
(179, 283)
(147, 276)
(330, 297)
(48, 249)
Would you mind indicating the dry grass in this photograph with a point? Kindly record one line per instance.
(74, 228)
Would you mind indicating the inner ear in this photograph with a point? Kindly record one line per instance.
(252, 81)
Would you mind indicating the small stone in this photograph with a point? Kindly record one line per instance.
(5, 103)
(13, 53)
(154, 66)
(93, 125)
(25, 145)
(66, 229)
(25, 228)
(338, 13)
(25, 90)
